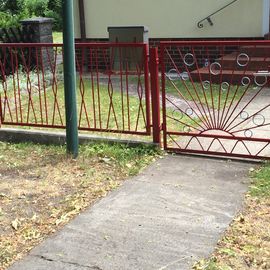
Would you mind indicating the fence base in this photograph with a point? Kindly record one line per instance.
(59, 138)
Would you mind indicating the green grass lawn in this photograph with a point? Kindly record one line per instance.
(213, 96)
(210, 99)
(209, 104)
(95, 110)
(261, 182)
(102, 109)
(57, 37)
(99, 109)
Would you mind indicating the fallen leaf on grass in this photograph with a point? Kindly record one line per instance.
(15, 224)
(31, 234)
(227, 251)
(62, 219)
(105, 160)
(240, 219)
(3, 195)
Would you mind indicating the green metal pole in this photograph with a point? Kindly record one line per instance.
(70, 79)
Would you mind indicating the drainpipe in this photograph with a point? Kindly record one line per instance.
(82, 20)
(70, 79)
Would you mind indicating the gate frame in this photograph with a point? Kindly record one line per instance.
(163, 44)
(155, 95)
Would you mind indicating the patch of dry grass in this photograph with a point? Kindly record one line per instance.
(41, 189)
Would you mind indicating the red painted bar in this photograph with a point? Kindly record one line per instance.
(154, 71)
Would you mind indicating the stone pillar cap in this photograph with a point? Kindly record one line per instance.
(37, 20)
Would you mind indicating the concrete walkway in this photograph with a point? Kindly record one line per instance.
(164, 219)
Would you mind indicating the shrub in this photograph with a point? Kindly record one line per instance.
(36, 8)
(11, 12)
(8, 20)
(55, 11)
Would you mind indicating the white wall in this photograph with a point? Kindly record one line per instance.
(266, 15)
(177, 18)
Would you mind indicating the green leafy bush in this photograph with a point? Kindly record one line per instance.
(36, 8)
(8, 20)
(11, 12)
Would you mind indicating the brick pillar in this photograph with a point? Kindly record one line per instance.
(41, 32)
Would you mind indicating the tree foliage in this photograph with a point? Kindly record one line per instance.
(12, 11)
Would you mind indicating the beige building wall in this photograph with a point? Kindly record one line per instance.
(176, 18)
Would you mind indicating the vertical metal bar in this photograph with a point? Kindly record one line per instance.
(147, 92)
(4, 85)
(98, 86)
(154, 62)
(70, 79)
(211, 87)
(164, 124)
(39, 83)
(91, 63)
(13, 69)
(1, 111)
(127, 94)
(121, 86)
(44, 86)
(18, 86)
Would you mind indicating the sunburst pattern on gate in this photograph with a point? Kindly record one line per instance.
(216, 97)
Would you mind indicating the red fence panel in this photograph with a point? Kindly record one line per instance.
(112, 86)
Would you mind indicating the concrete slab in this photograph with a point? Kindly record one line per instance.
(164, 219)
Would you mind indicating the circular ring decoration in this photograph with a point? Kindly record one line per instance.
(258, 120)
(173, 75)
(186, 129)
(215, 68)
(244, 115)
(177, 114)
(189, 111)
(184, 76)
(189, 59)
(259, 83)
(225, 86)
(245, 60)
(248, 133)
(245, 81)
(206, 85)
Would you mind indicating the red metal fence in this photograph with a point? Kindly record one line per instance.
(215, 95)
(112, 86)
(216, 98)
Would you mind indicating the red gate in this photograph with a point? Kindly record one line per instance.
(216, 98)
